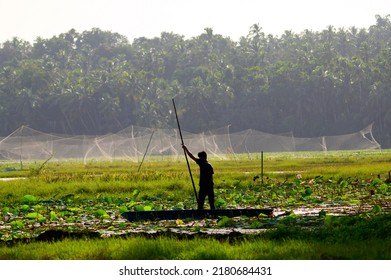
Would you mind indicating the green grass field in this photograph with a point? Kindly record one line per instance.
(333, 205)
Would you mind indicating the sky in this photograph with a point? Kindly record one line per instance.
(30, 19)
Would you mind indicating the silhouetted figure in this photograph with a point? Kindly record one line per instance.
(206, 179)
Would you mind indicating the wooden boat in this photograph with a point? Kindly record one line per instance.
(193, 214)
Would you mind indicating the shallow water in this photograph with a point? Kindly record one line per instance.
(12, 178)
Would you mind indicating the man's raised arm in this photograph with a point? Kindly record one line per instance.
(189, 153)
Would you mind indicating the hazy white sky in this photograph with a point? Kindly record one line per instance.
(29, 19)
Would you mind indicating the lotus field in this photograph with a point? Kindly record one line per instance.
(327, 205)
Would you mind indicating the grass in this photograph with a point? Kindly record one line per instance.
(141, 248)
(74, 197)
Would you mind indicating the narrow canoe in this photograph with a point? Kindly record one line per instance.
(193, 214)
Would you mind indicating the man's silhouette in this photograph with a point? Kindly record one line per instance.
(206, 179)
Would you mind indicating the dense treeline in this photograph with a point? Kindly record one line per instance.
(313, 83)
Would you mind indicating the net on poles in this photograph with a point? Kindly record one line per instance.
(135, 143)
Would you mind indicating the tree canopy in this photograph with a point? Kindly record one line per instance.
(328, 82)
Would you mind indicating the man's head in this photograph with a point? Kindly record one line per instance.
(202, 155)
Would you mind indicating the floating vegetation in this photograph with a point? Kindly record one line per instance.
(74, 198)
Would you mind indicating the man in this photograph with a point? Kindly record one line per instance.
(206, 179)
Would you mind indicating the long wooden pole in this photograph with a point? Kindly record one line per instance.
(187, 160)
(146, 150)
(262, 167)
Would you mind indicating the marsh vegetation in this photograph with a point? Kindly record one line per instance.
(333, 205)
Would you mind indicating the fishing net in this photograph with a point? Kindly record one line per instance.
(138, 143)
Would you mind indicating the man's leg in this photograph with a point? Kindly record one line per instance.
(201, 198)
(211, 197)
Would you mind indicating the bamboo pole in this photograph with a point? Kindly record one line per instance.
(187, 160)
